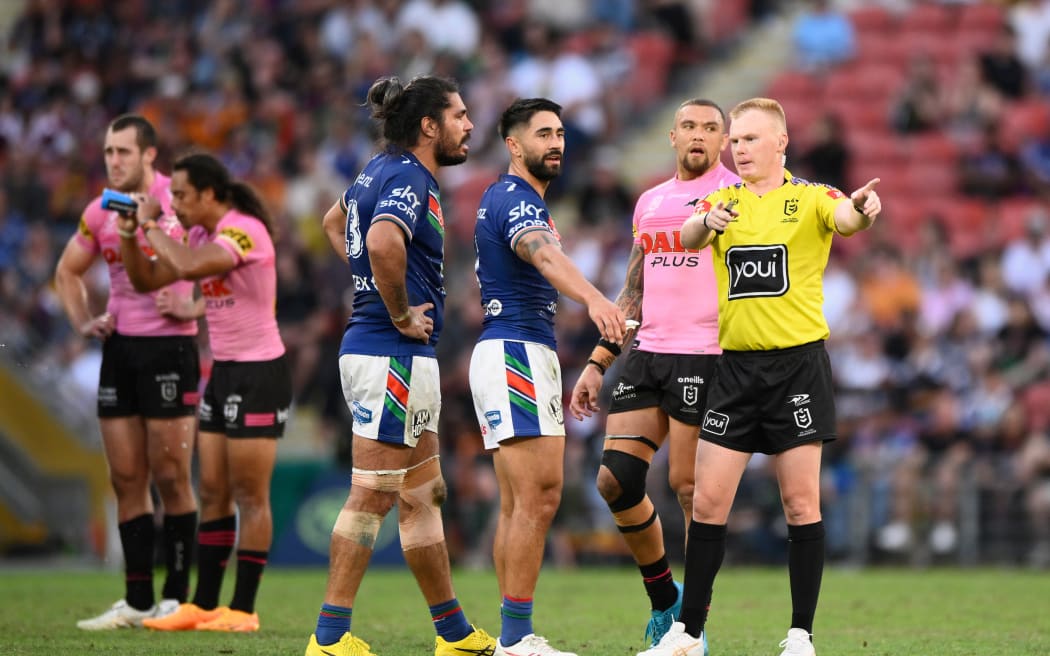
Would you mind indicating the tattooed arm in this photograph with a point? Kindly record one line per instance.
(542, 250)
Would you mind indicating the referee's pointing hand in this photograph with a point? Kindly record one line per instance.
(866, 201)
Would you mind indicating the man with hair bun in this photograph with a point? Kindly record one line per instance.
(229, 251)
(389, 227)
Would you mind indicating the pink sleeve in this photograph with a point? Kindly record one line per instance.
(238, 236)
(90, 223)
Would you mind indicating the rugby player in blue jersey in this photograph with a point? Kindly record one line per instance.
(389, 228)
(515, 377)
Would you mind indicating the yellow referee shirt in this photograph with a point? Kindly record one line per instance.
(770, 263)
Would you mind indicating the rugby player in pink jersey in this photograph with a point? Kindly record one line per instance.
(671, 292)
(244, 409)
(147, 393)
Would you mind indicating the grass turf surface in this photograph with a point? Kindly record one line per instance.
(590, 611)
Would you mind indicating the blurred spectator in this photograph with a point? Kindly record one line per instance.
(1035, 162)
(1030, 20)
(1001, 67)
(551, 70)
(447, 25)
(888, 292)
(987, 169)
(1026, 261)
(604, 200)
(827, 155)
(823, 36)
(918, 107)
(971, 105)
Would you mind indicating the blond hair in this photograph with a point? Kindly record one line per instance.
(767, 105)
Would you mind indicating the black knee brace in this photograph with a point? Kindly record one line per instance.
(629, 471)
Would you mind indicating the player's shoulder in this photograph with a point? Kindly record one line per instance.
(93, 211)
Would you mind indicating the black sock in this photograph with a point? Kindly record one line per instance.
(136, 538)
(659, 584)
(250, 565)
(703, 557)
(215, 540)
(179, 534)
(805, 569)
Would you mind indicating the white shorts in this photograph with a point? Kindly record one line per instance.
(517, 390)
(392, 399)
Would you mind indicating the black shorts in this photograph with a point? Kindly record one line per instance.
(677, 384)
(247, 399)
(771, 401)
(154, 377)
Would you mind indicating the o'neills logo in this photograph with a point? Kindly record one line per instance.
(757, 271)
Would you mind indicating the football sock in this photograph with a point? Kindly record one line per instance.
(449, 620)
(517, 620)
(136, 538)
(332, 623)
(703, 557)
(659, 584)
(215, 541)
(250, 565)
(179, 532)
(805, 569)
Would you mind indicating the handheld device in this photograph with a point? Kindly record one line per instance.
(117, 202)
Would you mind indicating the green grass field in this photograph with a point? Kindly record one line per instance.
(592, 611)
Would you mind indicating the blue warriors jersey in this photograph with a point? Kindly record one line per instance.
(519, 303)
(394, 187)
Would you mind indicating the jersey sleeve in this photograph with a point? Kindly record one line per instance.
(828, 198)
(88, 226)
(706, 203)
(238, 238)
(403, 199)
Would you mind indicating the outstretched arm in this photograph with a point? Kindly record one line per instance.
(542, 250)
(859, 214)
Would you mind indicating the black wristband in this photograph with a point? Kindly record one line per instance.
(601, 369)
(705, 220)
(611, 347)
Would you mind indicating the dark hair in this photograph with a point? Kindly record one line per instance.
(400, 108)
(145, 135)
(521, 110)
(206, 172)
(704, 102)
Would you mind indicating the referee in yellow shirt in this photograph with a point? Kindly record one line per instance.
(772, 390)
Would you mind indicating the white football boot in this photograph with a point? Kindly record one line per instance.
(119, 616)
(797, 643)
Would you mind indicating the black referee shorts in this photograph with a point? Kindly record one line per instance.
(771, 401)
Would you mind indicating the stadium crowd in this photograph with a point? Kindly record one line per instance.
(941, 355)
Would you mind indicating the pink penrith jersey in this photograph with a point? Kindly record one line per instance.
(135, 313)
(241, 304)
(680, 297)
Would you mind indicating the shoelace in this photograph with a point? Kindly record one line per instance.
(658, 624)
(357, 643)
(794, 644)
